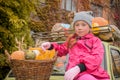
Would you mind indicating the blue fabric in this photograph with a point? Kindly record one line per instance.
(65, 25)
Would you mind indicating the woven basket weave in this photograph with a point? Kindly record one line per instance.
(32, 69)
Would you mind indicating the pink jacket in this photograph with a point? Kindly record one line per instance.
(88, 50)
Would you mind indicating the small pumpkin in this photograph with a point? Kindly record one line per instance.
(30, 55)
(19, 55)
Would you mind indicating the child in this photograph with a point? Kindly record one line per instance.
(84, 49)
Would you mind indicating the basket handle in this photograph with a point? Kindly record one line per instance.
(8, 55)
(56, 55)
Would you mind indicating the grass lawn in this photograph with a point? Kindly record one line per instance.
(51, 78)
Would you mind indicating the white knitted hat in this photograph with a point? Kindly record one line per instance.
(84, 16)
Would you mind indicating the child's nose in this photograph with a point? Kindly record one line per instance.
(79, 27)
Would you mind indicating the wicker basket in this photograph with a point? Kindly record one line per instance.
(32, 69)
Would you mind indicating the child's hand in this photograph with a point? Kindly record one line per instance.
(45, 45)
(71, 73)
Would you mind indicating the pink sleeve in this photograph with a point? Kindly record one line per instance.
(60, 48)
(94, 59)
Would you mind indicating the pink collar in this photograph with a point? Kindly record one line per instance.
(86, 36)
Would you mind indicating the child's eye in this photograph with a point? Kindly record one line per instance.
(77, 24)
(83, 24)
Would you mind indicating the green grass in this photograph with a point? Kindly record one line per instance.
(51, 78)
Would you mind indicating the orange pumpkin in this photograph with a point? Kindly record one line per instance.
(19, 55)
(99, 21)
(59, 64)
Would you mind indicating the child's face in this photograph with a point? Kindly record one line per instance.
(81, 28)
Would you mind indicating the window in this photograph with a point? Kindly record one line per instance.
(60, 65)
(68, 5)
(97, 10)
(104, 60)
(116, 62)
